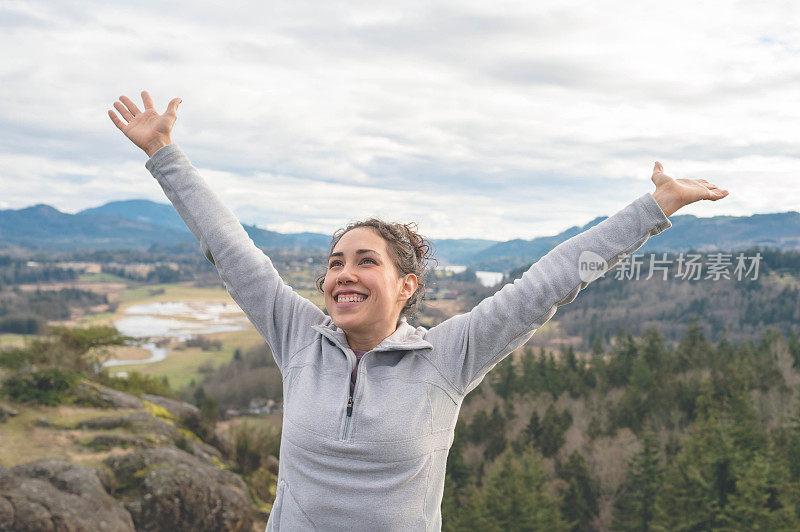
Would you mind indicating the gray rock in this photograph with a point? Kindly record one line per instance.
(187, 414)
(190, 417)
(154, 431)
(107, 441)
(55, 495)
(94, 394)
(158, 430)
(43, 422)
(205, 451)
(7, 412)
(166, 489)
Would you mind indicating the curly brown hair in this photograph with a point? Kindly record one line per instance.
(411, 253)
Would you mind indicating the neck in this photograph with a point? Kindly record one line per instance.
(365, 342)
(369, 339)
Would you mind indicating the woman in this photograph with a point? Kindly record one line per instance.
(364, 445)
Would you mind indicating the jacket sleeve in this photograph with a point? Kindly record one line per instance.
(469, 345)
(280, 315)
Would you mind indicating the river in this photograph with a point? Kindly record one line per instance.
(176, 320)
(485, 278)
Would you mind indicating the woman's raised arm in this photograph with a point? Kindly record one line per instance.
(471, 344)
(281, 316)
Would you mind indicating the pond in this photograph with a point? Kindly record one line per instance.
(176, 320)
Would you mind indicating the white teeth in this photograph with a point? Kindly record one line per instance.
(352, 298)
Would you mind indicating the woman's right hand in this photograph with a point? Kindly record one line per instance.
(147, 129)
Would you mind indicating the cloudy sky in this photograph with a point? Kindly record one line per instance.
(476, 119)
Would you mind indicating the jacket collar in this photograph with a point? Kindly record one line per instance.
(404, 338)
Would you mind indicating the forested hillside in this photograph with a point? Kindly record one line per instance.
(666, 403)
(724, 304)
(640, 436)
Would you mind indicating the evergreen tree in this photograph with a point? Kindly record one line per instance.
(554, 425)
(633, 507)
(693, 349)
(496, 434)
(528, 380)
(456, 468)
(727, 476)
(517, 499)
(472, 515)
(579, 503)
(764, 499)
(504, 378)
(794, 349)
(620, 365)
(530, 435)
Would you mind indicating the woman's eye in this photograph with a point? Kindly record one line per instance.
(368, 259)
(334, 263)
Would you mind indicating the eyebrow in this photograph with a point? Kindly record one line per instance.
(358, 252)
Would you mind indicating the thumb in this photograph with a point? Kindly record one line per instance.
(172, 108)
(657, 169)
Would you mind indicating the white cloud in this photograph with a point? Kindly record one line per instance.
(498, 120)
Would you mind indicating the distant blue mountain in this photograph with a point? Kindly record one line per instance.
(718, 233)
(165, 215)
(144, 211)
(459, 250)
(43, 227)
(130, 224)
(138, 224)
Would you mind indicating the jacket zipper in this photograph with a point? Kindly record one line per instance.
(349, 415)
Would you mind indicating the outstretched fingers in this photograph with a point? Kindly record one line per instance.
(148, 101)
(117, 122)
(130, 105)
(714, 192)
(172, 108)
(123, 111)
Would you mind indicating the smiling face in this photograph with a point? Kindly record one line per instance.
(364, 293)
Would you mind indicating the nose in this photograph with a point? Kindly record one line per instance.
(346, 275)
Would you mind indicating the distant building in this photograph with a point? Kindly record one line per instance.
(258, 405)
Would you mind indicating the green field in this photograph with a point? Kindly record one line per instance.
(102, 278)
(13, 340)
(182, 365)
(170, 292)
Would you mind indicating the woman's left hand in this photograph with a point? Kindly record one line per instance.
(672, 194)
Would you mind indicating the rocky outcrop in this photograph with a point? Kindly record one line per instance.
(170, 480)
(89, 393)
(157, 430)
(151, 431)
(7, 412)
(104, 442)
(51, 495)
(187, 414)
(167, 489)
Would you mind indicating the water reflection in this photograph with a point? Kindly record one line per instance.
(176, 320)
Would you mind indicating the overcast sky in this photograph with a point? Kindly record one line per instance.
(476, 119)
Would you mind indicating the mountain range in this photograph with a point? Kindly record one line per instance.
(139, 224)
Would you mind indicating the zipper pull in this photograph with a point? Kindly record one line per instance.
(350, 406)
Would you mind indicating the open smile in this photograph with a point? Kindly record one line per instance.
(349, 299)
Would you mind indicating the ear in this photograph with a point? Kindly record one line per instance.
(408, 286)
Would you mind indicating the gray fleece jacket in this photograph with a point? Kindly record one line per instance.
(379, 465)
